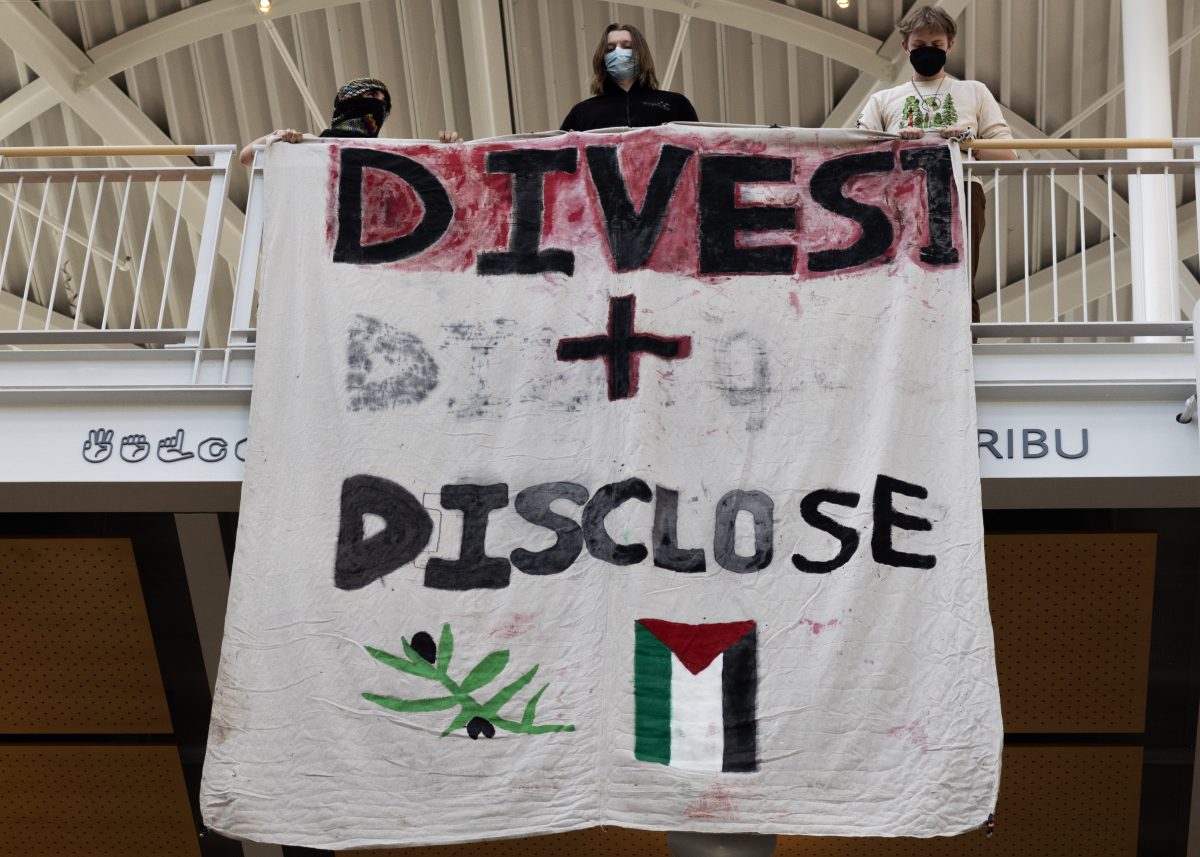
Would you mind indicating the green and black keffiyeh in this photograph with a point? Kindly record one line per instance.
(356, 110)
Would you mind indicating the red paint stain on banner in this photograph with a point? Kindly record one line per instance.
(794, 300)
(818, 627)
(573, 218)
(716, 801)
(519, 624)
(915, 733)
(390, 207)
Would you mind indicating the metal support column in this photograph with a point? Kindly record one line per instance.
(1148, 105)
(1193, 843)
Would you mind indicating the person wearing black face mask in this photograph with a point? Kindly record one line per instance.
(934, 102)
(359, 110)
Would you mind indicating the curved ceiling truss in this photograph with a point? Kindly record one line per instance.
(877, 62)
(214, 18)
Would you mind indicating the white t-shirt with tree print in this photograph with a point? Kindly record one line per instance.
(959, 102)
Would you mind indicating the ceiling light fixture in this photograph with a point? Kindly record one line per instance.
(843, 4)
(264, 6)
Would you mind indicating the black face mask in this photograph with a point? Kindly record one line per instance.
(927, 60)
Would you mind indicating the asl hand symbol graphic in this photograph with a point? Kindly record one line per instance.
(98, 446)
(170, 449)
(213, 449)
(134, 448)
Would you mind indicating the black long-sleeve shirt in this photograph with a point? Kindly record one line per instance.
(638, 108)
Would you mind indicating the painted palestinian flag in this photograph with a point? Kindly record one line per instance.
(695, 695)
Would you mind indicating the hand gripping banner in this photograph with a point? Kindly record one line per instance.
(609, 479)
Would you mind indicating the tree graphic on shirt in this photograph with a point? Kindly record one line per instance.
(930, 114)
(949, 113)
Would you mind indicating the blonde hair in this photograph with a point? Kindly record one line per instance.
(932, 17)
(641, 52)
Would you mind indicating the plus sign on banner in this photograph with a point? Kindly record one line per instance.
(609, 479)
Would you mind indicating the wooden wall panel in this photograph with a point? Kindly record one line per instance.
(76, 653)
(1072, 615)
(97, 801)
(1054, 802)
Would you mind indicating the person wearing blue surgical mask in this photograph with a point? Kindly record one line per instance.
(625, 91)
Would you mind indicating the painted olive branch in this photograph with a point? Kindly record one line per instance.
(424, 659)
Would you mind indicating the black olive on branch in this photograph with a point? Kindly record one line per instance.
(424, 646)
(480, 726)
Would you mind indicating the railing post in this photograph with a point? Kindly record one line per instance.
(1196, 191)
(1196, 343)
(247, 271)
(206, 257)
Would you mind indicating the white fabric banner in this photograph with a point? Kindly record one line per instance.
(609, 479)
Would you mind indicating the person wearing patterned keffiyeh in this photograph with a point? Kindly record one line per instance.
(359, 110)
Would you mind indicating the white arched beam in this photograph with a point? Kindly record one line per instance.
(136, 46)
(216, 17)
(786, 24)
(25, 105)
(104, 107)
(183, 28)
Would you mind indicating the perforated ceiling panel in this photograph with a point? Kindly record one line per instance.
(76, 654)
(1072, 620)
(1054, 802)
(94, 801)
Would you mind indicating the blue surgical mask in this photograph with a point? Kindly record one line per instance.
(621, 64)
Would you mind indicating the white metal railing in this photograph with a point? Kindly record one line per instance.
(103, 254)
(1056, 254)
(125, 256)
